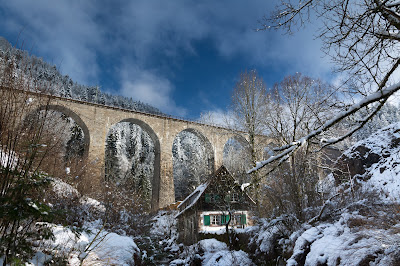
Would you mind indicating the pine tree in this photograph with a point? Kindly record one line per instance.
(143, 187)
(112, 171)
(75, 147)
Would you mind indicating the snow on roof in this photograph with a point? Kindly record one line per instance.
(193, 197)
(244, 186)
(196, 194)
(190, 200)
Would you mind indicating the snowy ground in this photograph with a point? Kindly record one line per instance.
(212, 252)
(89, 244)
(98, 247)
(353, 240)
(367, 230)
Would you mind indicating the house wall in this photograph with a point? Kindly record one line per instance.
(188, 228)
(215, 229)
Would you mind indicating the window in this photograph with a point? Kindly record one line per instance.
(220, 219)
(207, 198)
(215, 219)
(235, 197)
(216, 198)
(236, 219)
(243, 219)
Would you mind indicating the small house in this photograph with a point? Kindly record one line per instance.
(211, 205)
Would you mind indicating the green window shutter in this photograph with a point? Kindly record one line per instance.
(216, 198)
(206, 219)
(207, 197)
(224, 219)
(227, 198)
(243, 219)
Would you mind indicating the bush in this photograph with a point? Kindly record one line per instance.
(23, 148)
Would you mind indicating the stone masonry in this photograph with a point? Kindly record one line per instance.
(96, 120)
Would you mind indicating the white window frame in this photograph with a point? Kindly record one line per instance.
(234, 197)
(215, 219)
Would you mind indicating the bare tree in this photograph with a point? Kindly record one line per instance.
(297, 106)
(362, 37)
(236, 160)
(248, 111)
(248, 107)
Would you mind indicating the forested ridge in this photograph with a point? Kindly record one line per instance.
(43, 74)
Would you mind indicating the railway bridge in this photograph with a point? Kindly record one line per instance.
(96, 120)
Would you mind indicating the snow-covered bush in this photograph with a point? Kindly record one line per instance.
(82, 237)
(271, 239)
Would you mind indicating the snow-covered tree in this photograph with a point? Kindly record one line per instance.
(362, 38)
(75, 146)
(129, 159)
(237, 160)
(46, 78)
(191, 164)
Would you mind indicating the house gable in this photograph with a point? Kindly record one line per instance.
(220, 188)
(219, 200)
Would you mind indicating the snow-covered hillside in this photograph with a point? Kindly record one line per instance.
(46, 76)
(361, 224)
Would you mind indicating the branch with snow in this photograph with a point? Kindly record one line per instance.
(287, 150)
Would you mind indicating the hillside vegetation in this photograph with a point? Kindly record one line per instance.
(48, 78)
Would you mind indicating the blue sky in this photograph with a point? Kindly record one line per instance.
(181, 56)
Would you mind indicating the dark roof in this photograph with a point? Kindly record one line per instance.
(191, 200)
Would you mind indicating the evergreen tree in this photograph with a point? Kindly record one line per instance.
(143, 187)
(75, 147)
(112, 168)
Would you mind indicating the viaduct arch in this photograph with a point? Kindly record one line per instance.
(75, 117)
(209, 147)
(155, 186)
(187, 174)
(96, 121)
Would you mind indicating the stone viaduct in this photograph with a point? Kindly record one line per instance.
(96, 120)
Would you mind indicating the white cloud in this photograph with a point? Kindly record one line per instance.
(153, 36)
(149, 88)
(64, 32)
(217, 117)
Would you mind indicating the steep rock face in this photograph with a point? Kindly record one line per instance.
(355, 163)
(364, 154)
